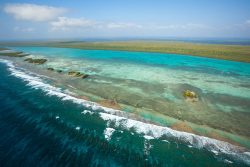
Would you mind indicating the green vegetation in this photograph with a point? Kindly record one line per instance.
(77, 74)
(228, 52)
(13, 54)
(71, 73)
(36, 61)
(189, 94)
(2, 49)
(218, 51)
(50, 69)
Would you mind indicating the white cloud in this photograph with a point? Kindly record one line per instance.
(247, 22)
(65, 23)
(115, 25)
(19, 29)
(32, 12)
(243, 26)
(85, 25)
(189, 26)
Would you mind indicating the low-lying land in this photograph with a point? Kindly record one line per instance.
(218, 51)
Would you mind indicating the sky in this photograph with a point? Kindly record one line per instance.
(69, 19)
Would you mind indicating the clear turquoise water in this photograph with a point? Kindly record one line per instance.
(42, 129)
(222, 67)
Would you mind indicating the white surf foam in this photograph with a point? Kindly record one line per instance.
(151, 131)
(148, 137)
(147, 147)
(87, 112)
(108, 133)
(147, 129)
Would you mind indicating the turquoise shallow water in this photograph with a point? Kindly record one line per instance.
(80, 134)
(169, 60)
